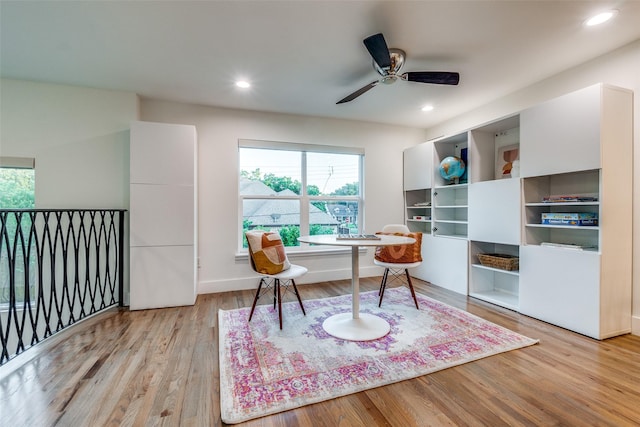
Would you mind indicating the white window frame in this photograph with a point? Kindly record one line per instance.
(304, 199)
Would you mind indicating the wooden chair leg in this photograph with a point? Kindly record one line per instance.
(295, 289)
(255, 299)
(277, 285)
(383, 285)
(413, 293)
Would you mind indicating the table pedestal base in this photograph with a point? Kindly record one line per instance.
(367, 327)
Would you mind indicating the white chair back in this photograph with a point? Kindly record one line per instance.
(395, 228)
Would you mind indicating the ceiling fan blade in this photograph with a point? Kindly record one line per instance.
(435, 77)
(357, 93)
(378, 49)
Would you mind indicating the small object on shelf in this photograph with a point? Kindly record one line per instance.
(422, 204)
(452, 168)
(421, 218)
(500, 261)
(515, 169)
(505, 156)
(357, 237)
(566, 218)
(568, 199)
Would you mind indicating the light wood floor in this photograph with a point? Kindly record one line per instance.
(160, 367)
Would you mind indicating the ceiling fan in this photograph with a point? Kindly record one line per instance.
(388, 62)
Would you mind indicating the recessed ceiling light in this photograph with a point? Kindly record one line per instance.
(427, 108)
(243, 84)
(600, 18)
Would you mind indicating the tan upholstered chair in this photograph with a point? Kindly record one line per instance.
(397, 260)
(269, 259)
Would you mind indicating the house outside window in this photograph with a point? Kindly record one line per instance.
(299, 189)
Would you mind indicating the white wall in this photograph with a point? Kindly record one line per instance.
(218, 133)
(621, 68)
(78, 136)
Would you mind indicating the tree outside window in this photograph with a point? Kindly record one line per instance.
(17, 191)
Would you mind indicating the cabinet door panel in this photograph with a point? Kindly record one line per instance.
(158, 154)
(162, 276)
(155, 219)
(417, 167)
(562, 135)
(494, 211)
(561, 286)
(445, 262)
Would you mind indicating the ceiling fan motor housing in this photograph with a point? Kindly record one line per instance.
(397, 61)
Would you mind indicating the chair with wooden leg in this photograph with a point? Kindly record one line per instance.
(397, 260)
(269, 259)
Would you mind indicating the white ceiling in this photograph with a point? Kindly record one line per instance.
(303, 56)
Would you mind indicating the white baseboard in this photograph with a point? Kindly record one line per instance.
(251, 282)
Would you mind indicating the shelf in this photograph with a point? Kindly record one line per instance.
(537, 204)
(451, 186)
(497, 270)
(566, 227)
(418, 207)
(450, 221)
(591, 250)
(503, 299)
(453, 236)
(451, 206)
(419, 220)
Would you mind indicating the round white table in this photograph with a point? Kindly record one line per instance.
(356, 326)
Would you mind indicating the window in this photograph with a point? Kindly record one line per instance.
(17, 191)
(299, 189)
(17, 183)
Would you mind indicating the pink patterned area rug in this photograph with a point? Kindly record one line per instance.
(265, 370)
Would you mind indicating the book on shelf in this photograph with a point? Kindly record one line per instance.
(568, 199)
(570, 218)
(568, 246)
(357, 237)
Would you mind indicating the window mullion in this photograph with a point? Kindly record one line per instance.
(304, 199)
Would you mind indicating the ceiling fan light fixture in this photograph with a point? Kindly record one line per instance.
(390, 79)
(600, 18)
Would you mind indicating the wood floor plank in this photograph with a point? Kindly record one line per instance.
(161, 367)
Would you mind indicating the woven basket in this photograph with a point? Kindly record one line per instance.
(501, 261)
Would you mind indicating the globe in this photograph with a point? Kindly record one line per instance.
(452, 167)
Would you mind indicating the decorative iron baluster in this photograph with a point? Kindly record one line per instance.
(57, 267)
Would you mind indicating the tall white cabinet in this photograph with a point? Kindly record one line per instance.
(163, 215)
(588, 138)
(576, 277)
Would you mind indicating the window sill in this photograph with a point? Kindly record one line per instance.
(298, 252)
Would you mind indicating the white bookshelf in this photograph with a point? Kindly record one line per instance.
(578, 277)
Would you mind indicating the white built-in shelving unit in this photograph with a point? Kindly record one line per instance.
(578, 144)
(450, 199)
(576, 277)
(494, 210)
